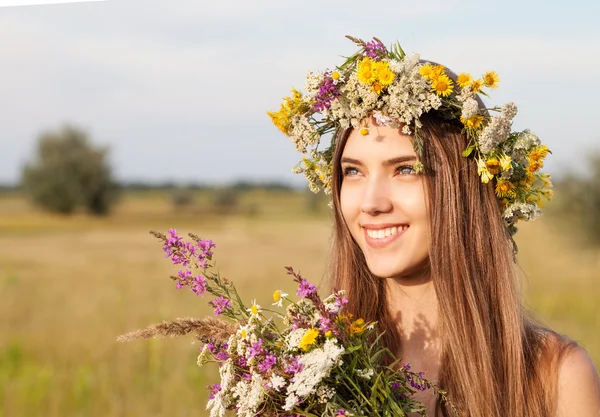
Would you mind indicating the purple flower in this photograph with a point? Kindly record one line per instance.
(255, 349)
(199, 285)
(328, 91)
(213, 390)
(305, 289)
(294, 366)
(374, 49)
(342, 412)
(267, 363)
(222, 354)
(325, 324)
(220, 304)
(205, 254)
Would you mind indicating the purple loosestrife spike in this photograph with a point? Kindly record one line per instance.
(306, 289)
(374, 49)
(256, 349)
(220, 304)
(267, 363)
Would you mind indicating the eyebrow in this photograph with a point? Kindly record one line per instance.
(388, 162)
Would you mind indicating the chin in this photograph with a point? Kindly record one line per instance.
(393, 268)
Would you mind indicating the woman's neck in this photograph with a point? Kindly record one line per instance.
(413, 308)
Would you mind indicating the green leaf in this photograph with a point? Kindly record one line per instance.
(468, 151)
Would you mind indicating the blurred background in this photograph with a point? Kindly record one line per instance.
(125, 115)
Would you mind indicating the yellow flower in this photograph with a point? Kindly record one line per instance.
(442, 86)
(357, 327)
(364, 131)
(335, 75)
(483, 171)
(426, 70)
(377, 87)
(438, 71)
(328, 334)
(464, 79)
(474, 123)
(309, 339)
(476, 85)
(493, 166)
(384, 75)
(291, 106)
(506, 162)
(539, 153)
(491, 79)
(365, 72)
(505, 189)
(535, 166)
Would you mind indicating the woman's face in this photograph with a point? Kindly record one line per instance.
(383, 201)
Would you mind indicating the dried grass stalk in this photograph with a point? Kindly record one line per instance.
(205, 329)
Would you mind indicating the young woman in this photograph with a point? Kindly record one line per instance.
(427, 187)
(429, 258)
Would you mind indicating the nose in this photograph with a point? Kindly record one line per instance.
(376, 198)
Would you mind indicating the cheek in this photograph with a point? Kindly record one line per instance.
(349, 203)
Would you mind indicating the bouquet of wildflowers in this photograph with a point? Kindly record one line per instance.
(308, 357)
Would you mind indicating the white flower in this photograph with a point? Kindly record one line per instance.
(254, 310)
(365, 373)
(244, 332)
(203, 356)
(509, 110)
(325, 394)
(470, 108)
(250, 394)
(291, 401)
(278, 297)
(277, 382)
(317, 365)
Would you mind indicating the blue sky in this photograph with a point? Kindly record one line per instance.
(179, 90)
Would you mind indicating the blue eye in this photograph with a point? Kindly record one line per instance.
(406, 169)
(350, 171)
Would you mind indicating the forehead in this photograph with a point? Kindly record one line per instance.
(381, 142)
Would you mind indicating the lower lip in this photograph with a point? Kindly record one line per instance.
(380, 243)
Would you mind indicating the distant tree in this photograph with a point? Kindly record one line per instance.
(68, 172)
(582, 197)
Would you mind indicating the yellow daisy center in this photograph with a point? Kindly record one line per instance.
(277, 296)
(254, 309)
(364, 131)
(335, 75)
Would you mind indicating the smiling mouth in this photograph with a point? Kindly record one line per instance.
(383, 236)
(386, 232)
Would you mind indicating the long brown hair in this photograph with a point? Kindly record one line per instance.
(495, 360)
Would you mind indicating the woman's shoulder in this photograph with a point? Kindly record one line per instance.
(578, 385)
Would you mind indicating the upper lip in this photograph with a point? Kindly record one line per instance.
(382, 225)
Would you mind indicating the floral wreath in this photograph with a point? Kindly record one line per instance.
(396, 89)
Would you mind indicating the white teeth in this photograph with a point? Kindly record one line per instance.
(383, 233)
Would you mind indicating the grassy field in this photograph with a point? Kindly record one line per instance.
(70, 285)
